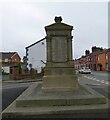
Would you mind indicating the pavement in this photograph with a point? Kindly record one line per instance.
(21, 80)
(88, 109)
(36, 79)
(25, 106)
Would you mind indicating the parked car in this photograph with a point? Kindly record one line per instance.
(85, 70)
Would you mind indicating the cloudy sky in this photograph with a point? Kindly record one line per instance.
(22, 23)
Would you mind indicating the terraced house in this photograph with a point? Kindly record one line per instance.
(98, 60)
(9, 59)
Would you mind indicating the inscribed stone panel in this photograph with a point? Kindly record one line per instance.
(59, 49)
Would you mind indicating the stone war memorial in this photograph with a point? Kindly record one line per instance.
(59, 72)
(59, 94)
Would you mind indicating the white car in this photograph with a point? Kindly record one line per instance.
(85, 70)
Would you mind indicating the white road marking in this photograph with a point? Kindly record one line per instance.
(106, 83)
(101, 81)
(97, 80)
(90, 78)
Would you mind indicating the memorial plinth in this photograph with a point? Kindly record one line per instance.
(34, 103)
(59, 73)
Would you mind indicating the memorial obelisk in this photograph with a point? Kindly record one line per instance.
(59, 73)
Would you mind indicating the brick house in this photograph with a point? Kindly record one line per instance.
(9, 59)
(98, 60)
(102, 61)
(93, 62)
(108, 55)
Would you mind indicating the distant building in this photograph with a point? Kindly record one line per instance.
(36, 55)
(98, 60)
(9, 59)
(108, 54)
(94, 49)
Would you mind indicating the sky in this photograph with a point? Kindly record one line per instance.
(22, 23)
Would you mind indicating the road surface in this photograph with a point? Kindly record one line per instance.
(10, 91)
(99, 81)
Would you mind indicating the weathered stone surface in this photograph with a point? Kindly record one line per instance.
(59, 49)
(59, 73)
(83, 103)
(84, 96)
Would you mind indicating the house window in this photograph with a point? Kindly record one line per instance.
(106, 66)
(98, 59)
(11, 70)
(6, 60)
(106, 56)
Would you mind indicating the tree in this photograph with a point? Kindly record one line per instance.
(19, 66)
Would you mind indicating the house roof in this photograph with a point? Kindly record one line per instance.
(34, 43)
(7, 55)
(100, 52)
(108, 49)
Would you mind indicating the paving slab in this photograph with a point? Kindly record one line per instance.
(33, 104)
(34, 96)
